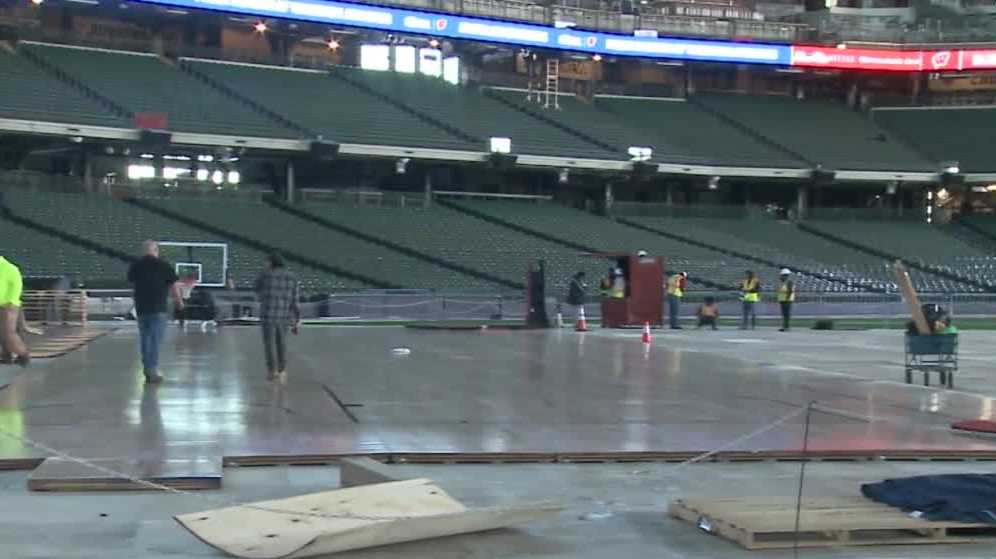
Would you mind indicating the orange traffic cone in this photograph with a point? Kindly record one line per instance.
(646, 332)
(582, 324)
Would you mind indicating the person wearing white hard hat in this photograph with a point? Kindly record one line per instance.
(786, 296)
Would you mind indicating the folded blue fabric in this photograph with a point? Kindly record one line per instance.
(950, 497)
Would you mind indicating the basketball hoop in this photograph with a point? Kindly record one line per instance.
(187, 286)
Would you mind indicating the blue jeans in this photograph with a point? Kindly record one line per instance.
(673, 306)
(151, 329)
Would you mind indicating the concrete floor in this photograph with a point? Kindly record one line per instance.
(493, 391)
(611, 510)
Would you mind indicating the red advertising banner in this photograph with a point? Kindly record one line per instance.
(977, 59)
(893, 60)
(857, 59)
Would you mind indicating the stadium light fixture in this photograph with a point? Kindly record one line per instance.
(37, 2)
(563, 176)
(234, 177)
(202, 174)
(205, 158)
(500, 145)
(597, 58)
(951, 167)
(563, 24)
(260, 27)
(638, 153)
(434, 43)
(333, 44)
(713, 183)
(217, 177)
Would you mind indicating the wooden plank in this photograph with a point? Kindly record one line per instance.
(911, 298)
(769, 523)
(353, 518)
(191, 468)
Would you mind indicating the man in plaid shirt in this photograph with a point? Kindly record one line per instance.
(277, 291)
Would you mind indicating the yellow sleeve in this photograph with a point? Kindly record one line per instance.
(16, 288)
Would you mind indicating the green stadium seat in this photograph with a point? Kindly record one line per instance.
(605, 235)
(462, 239)
(329, 107)
(477, 115)
(42, 256)
(294, 235)
(143, 83)
(947, 134)
(122, 227)
(29, 93)
(825, 133)
(687, 134)
(921, 243)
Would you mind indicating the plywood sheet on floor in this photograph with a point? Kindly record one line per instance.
(353, 518)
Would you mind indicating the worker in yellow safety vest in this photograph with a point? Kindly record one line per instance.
(750, 294)
(786, 296)
(618, 290)
(675, 291)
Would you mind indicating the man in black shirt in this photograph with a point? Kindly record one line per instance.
(153, 279)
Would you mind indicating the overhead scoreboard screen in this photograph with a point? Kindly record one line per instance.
(593, 42)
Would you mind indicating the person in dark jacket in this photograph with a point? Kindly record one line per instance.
(277, 290)
(575, 293)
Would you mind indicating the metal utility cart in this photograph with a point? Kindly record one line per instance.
(932, 353)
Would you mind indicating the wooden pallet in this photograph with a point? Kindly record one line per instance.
(768, 523)
(63, 342)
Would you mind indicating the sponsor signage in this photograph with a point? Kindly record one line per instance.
(478, 29)
(593, 42)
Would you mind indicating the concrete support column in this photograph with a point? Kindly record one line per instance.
(88, 185)
(427, 193)
(801, 202)
(609, 197)
(289, 193)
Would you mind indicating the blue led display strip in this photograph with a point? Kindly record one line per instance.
(478, 29)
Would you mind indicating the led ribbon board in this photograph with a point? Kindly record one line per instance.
(893, 60)
(477, 29)
(593, 42)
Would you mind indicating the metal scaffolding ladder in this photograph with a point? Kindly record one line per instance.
(552, 90)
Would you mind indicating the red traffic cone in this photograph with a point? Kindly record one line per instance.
(582, 324)
(646, 332)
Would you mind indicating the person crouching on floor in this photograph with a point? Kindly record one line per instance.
(708, 313)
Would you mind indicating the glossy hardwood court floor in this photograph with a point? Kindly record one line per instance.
(488, 395)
